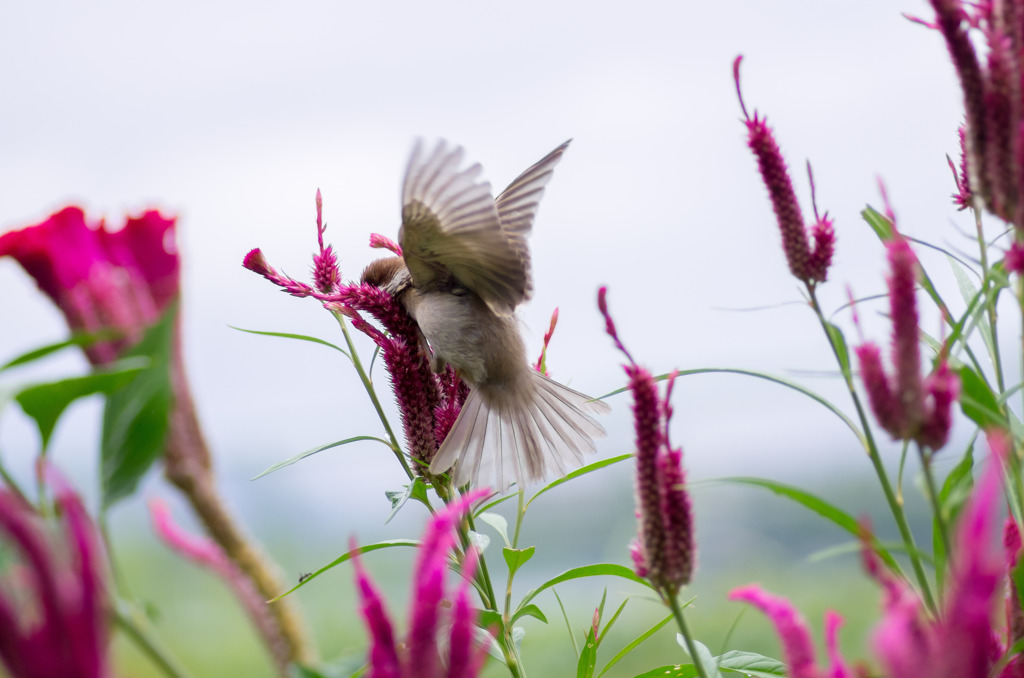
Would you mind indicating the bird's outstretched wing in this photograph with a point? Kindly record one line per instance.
(451, 229)
(517, 205)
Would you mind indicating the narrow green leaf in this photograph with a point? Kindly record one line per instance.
(751, 664)
(823, 508)
(568, 624)
(500, 525)
(589, 468)
(417, 489)
(588, 656)
(597, 570)
(80, 339)
(530, 611)
(300, 337)
(842, 351)
(491, 504)
(45, 403)
(348, 556)
(978, 402)
(635, 643)
(611, 622)
(955, 490)
(319, 448)
(516, 558)
(878, 222)
(971, 296)
(136, 418)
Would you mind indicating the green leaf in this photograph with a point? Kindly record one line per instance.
(774, 379)
(955, 491)
(751, 664)
(676, 671)
(971, 296)
(80, 339)
(597, 570)
(842, 352)
(878, 222)
(589, 468)
(300, 337)
(530, 611)
(348, 556)
(704, 656)
(500, 525)
(978, 402)
(635, 643)
(45, 403)
(417, 490)
(516, 558)
(319, 448)
(823, 508)
(588, 656)
(137, 417)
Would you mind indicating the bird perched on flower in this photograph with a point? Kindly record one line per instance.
(463, 270)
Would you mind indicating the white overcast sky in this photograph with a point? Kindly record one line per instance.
(231, 115)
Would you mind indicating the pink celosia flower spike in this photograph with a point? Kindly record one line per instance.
(807, 265)
(56, 625)
(905, 406)
(326, 274)
(797, 646)
(378, 241)
(420, 657)
(963, 198)
(663, 552)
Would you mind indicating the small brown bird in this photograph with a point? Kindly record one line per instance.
(465, 267)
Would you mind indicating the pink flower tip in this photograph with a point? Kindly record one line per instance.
(257, 263)
(197, 549)
(1014, 260)
(378, 241)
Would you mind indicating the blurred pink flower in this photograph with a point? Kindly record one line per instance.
(101, 278)
(797, 645)
(664, 552)
(53, 602)
(430, 626)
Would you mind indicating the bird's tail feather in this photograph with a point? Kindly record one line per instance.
(507, 441)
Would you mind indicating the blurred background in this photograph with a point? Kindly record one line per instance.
(231, 115)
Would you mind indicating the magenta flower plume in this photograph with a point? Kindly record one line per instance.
(806, 264)
(100, 278)
(664, 552)
(797, 645)
(904, 405)
(1014, 613)
(326, 274)
(542, 365)
(420, 656)
(962, 642)
(56, 624)
(378, 241)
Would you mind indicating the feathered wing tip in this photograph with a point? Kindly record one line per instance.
(501, 443)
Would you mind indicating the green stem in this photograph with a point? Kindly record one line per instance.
(895, 505)
(140, 634)
(677, 612)
(368, 385)
(520, 513)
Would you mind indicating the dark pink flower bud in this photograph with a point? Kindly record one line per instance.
(963, 198)
(1014, 260)
(378, 241)
(943, 388)
(906, 355)
(883, 401)
(541, 365)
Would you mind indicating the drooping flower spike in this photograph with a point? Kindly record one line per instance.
(664, 551)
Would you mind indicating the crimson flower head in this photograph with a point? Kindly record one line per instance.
(53, 605)
(664, 551)
(431, 626)
(906, 406)
(807, 263)
(101, 278)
